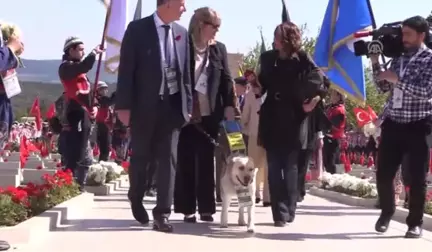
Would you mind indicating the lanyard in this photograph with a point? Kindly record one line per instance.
(402, 69)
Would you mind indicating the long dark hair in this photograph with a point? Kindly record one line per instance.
(290, 36)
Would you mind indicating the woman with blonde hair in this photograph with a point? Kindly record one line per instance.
(213, 100)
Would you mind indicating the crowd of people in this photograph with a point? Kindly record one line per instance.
(167, 117)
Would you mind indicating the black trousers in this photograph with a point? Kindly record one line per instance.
(195, 179)
(283, 176)
(162, 146)
(400, 141)
(330, 152)
(77, 141)
(103, 140)
(151, 172)
(304, 158)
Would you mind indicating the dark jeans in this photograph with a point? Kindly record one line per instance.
(77, 139)
(304, 158)
(400, 141)
(62, 143)
(195, 179)
(282, 176)
(103, 141)
(6, 119)
(330, 151)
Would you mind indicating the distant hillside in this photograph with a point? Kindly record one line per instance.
(37, 76)
(46, 71)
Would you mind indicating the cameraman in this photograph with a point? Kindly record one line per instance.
(406, 124)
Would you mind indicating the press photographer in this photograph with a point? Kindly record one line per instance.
(406, 123)
(386, 40)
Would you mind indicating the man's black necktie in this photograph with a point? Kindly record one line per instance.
(166, 49)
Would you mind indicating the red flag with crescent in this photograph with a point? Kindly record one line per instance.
(362, 117)
(372, 113)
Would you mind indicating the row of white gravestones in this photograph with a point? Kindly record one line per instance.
(11, 173)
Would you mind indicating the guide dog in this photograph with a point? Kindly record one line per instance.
(239, 174)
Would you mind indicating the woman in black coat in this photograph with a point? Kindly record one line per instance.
(213, 100)
(294, 86)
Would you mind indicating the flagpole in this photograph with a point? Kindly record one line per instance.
(99, 64)
(374, 26)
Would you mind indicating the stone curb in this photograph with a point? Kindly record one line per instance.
(38, 227)
(399, 216)
(342, 198)
(106, 189)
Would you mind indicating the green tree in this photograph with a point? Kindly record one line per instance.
(429, 19)
(373, 99)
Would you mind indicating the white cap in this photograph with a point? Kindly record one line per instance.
(70, 41)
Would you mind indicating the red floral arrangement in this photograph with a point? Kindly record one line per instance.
(20, 203)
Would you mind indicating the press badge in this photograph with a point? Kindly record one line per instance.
(397, 98)
(171, 80)
(11, 83)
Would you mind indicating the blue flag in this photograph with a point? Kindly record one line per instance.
(334, 51)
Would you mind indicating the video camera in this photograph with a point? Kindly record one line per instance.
(386, 40)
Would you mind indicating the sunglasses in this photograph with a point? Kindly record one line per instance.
(215, 26)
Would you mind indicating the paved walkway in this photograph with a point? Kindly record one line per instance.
(320, 225)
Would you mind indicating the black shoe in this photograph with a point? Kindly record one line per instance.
(162, 225)
(382, 224)
(279, 223)
(139, 213)
(266, 204)
(405, 205)
(300, 198)
(414, 232)
(190, 219)
(291, 218)
(4, 246)
(257, 200)
(206, 218)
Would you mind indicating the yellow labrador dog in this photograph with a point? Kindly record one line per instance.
(238, 180)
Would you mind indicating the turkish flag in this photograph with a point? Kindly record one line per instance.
(372, 113)
(362, 117)
(51, 111)
(35, 111)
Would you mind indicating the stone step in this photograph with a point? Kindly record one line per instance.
(10, 165)
(9, 180)
(35, 176)
(34, 164)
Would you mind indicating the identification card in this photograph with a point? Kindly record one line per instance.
(397, 98)
(11, 83)
(201, 85)
(244, 197)
(171, 80)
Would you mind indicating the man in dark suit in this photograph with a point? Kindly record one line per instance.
(154, 97)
